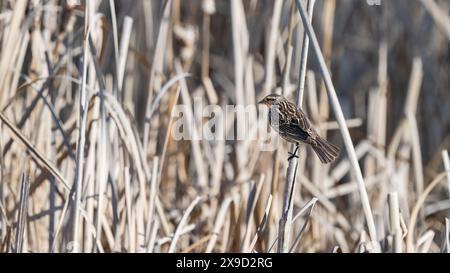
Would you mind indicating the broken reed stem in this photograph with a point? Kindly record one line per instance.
(124, 42)
(341, 121)
(394, 216)
(115, 39)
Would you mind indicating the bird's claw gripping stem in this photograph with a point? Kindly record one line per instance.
(293, 155)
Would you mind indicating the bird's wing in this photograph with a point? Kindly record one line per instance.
(295, 115)
(293, 131)
(293, 123)
(301, 119)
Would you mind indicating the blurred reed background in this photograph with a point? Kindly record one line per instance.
(87, 161)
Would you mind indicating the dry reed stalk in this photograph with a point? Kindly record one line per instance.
(341, 120)
(410, 111)
(240, 56)
(352, 186)
(340, 219)
(152, 197)
(425, 241)
(446, 161)
(401, 134)
(377, 121)
(252, 200)
(131, 224)
(297, 239)
(195, 245)
(442, 20)
(115, 34)
(445, 246)
(11, 38)
(219, 153)
(262, 224)
(327, 16)
(157, 66)
(168, 135)
(36, 154)
(270, 59)
(410, 246)
(289, 188)
(123, 51)
(394, 216)
(417, 156)
(304, 56)
(82, 129)
(311, 204)
(285, 221)
(182, 224)
(23, 212)
(219, 222)
(192, 130)
(153, 234)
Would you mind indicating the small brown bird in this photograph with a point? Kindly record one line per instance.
(293, 125)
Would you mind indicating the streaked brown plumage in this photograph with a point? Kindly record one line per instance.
(293, 125)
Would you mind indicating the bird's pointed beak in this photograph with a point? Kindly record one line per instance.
(261, 102)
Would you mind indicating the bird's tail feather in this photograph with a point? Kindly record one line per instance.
(326, 151)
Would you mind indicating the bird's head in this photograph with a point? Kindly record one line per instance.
(271, 99)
